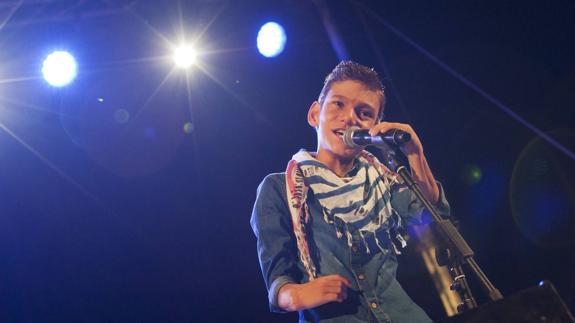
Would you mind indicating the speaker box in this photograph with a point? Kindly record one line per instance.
(539, 304)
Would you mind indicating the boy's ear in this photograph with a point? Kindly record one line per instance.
(313, 114)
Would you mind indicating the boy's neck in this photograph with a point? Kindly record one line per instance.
(336, 165)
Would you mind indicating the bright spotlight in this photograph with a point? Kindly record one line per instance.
(59, 68)
(271, 39)
(185, 56)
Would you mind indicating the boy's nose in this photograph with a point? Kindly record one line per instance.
(350, 116)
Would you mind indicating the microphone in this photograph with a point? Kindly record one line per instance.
(355, 136)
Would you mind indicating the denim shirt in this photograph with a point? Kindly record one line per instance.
(375, 295)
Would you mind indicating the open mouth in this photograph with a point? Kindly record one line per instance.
(339, 133)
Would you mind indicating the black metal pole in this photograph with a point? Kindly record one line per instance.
(461, 252)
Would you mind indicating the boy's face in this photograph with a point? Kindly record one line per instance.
(348, 103)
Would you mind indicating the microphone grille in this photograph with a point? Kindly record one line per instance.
(348, 137)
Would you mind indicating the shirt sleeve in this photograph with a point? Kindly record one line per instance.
(276, 244)
(410, 209)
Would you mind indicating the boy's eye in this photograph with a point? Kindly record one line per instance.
(366, 114)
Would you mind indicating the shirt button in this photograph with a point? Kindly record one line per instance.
(361, 277)
(373, 305)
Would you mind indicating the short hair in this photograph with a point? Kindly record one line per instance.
(349, 70)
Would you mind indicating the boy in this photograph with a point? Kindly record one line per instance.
(326, 228)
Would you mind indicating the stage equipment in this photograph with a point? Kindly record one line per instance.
(539, 304)
(453, 250)
(271, 39)
(59, 68)
(185, 56)
(354, 137)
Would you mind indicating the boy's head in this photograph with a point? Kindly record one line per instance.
(348, 70)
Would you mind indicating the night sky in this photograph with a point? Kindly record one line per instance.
(126, 196)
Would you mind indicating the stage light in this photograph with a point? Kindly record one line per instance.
(59, 68)
(185, 56)
(271, 39)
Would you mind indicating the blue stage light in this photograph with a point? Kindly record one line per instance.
(271, 39)
(59, 68)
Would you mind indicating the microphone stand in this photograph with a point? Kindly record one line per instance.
(455, 249)
(459, 281)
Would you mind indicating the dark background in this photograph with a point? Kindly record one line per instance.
(111, 212)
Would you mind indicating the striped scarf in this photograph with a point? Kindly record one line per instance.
(360, 202)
